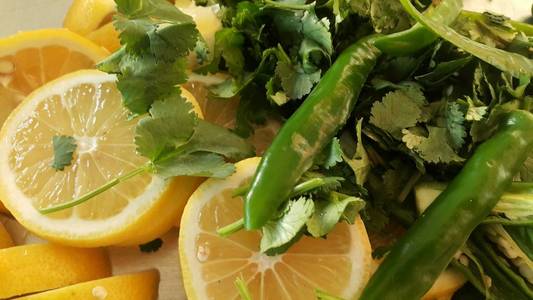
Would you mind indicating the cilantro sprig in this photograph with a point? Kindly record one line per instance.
(156, 38)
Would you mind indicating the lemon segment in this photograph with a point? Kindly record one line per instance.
(35, 268)
(138, 286)
(340, 264)
(87, 106)
(106, 36)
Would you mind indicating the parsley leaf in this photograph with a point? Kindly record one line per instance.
(178, 143)
(64, 147)
(156, 38)
(398, 110)
(288, 225)
(151, 246)
(328, 213)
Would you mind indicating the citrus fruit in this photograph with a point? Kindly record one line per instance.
(34, 268)
(106, 36)
(340, 264)
(5, 238)
(86, 106)
(138, 286)
(86, 16)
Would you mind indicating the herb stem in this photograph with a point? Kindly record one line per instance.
(95, 192)
(302, 188)
(282, 5)
(242, 287)
(231, 228)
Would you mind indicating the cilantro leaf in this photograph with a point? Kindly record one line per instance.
(328, 213)
(64, 147)
(411, 139)
(398, 110)
(388, 16)
(288, 225)
(455, 124)
(331, 155)
(317, 31)
(475, 113)
(151, 246)
(360, 162)
(295, 81)
(435, 148)
(228, 46)
(177, 142)
(156, 38)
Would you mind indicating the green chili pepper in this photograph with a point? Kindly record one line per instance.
(418, 37)
(319, 118)
(308, 131)
(414, 263)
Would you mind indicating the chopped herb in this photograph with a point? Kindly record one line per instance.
(64, 147)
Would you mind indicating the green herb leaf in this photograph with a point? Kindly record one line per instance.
(360, 162)
(228, 46)
(329, 212)
(331, 155)
(156, 38)
(151, 246)
(435, 148)
(513, 63)
(178, 143)
(398, 110)
(295, 81)
(288, 225)
(455, 124)
(64, 147)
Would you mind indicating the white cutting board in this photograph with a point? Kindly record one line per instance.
(17, 15)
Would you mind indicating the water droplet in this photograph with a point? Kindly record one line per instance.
(99, 292)
(203, 252)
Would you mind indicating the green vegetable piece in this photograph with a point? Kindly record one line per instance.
(64, 147)
(455, 124)
(513, 63)
(328, 213)
(307, 132)
(242, 287)
(288, 225)
(431, 242)
(417, 37)
(436, 148)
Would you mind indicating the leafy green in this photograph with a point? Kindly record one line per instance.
(387, 16)
(287, 225)
(331, 155)
(64, 147)
(435, 148)
(296, 82)
(156, 38)
(228, 46)
(328, 213)
(178, 143)
(513, 63)
(398, 110)
(360, 162)
(455, 124)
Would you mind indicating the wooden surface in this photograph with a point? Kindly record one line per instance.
(16, 15)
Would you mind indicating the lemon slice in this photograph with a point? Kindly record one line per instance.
(138, 286)
(5, 238)
(340, 264)
(87, 106)
(35, 268)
